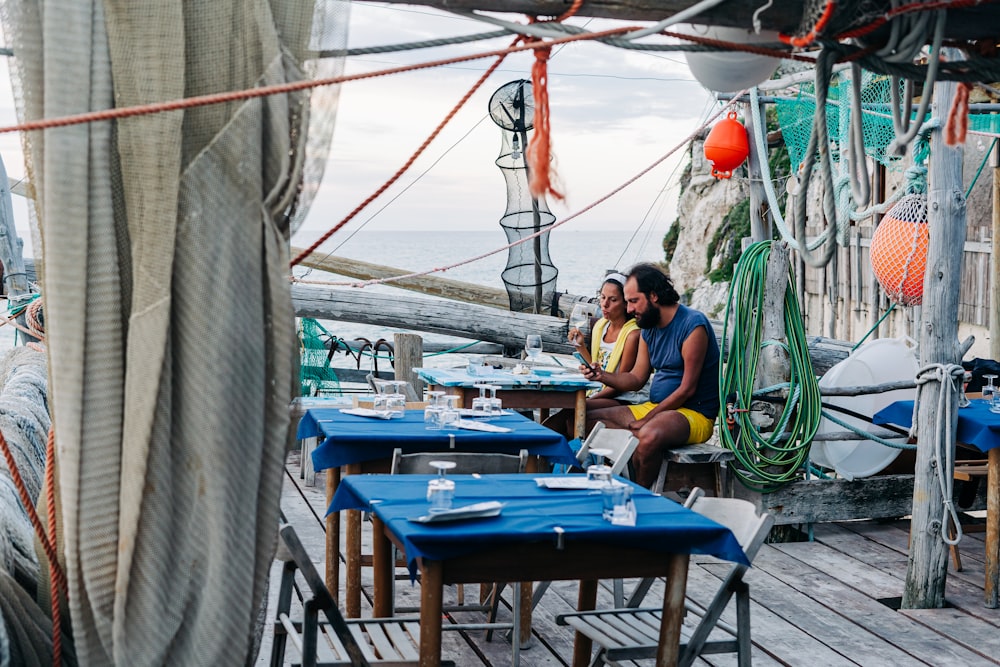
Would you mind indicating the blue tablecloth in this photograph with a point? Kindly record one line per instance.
(352, 439)
(459, 377)
(530, 514)
(977, 426)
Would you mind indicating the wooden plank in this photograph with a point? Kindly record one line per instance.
(868, 627)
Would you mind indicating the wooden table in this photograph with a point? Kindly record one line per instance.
(980, 428)
(353, 445)
(523, 544)
(565, 390)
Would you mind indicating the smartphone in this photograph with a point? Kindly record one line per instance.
(579, 357)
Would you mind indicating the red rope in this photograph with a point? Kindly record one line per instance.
(54, 577)
(539, 153)
(957, 125)
(810, 37)
(264, 91)
(57, 575)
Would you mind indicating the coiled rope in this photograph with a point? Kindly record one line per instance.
(765, 462)
(950, 377)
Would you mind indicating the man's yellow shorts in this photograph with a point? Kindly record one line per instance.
(700, 426)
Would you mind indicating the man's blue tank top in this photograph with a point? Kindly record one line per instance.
(664, 345)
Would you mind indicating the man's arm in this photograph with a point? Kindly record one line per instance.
(632, 380)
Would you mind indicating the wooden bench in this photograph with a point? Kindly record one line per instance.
(707, 452)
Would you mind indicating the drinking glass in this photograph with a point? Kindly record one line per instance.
(481, 405)
(396, 403)
(579, 318)
(616, 504)
(432, 413)
(533, 347)
(496, 404)
(995, 402)
(380, 403)
(599, 472)
(450, 415)
(440, 490)
(989, 389)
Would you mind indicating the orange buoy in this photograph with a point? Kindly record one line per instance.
(899, 250)
(726, 146)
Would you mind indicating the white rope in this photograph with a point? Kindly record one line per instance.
(950, 378)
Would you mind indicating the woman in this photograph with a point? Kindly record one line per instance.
(614, 343)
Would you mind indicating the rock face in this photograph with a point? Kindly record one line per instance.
(703, 204)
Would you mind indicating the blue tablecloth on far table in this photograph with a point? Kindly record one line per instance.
(351, 439)
(977, 426)
(568, 380)
(530, 514)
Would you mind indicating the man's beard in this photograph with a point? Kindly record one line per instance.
(649, 319)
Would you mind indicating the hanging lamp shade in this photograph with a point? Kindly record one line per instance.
(726, 146)
(729, 71)
(899, 250)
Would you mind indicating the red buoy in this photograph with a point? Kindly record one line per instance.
(727, 146)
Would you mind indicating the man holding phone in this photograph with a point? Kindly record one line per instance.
(679, 344)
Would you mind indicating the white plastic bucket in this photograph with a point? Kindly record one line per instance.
(876, 362)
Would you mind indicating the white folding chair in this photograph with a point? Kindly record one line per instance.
(633, 633)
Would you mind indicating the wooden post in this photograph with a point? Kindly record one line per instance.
(11, 247)
(993, 480)
(409, 354)
(928, 564)
(760, 227)
(774, 368)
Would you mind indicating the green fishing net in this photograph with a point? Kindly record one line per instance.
(316, 377)
(795, 116)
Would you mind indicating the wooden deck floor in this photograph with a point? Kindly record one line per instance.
(819, 603)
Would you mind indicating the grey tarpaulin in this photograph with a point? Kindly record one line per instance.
(169, 319)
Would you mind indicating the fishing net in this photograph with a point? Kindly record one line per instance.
(316, 377)
(833, 17)
(169, 320)
(795, 116)
(530, 276)
(899, 250)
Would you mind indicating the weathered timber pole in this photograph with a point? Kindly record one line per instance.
(408, 353)
(774, 367)
(928, 562)
(993, 480)
(760, 227)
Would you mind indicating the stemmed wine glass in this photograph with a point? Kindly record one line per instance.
(599, 472)
(990, 388)
(533, 347)
(440, 490)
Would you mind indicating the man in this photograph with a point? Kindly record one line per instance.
(679, 344)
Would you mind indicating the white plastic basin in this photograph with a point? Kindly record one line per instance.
(875, 362)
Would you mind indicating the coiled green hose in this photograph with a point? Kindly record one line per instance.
(764, 462)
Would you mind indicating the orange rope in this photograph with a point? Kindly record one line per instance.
(395, 177)
(59, 578)
(810, 37)
(50, 509)
(957, 125)
(263, 91)
(539, 153)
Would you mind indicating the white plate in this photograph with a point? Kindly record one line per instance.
(476, 511)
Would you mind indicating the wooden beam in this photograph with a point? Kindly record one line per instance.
(782, 15)
(432, 285)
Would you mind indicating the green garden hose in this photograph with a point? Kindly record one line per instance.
(764, 461)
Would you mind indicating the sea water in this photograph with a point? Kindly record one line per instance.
(581, 257)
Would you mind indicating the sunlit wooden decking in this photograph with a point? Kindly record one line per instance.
(818, 603)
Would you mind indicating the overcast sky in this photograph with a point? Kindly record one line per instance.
(614, 112)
